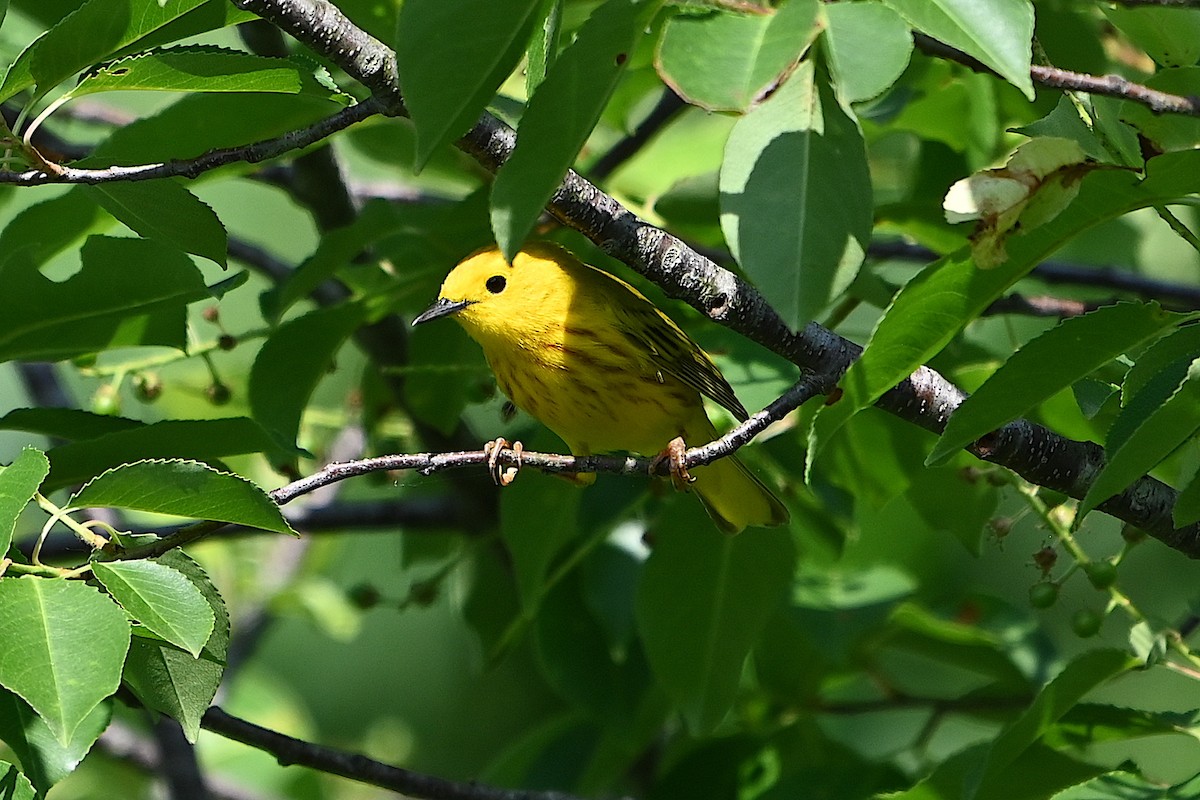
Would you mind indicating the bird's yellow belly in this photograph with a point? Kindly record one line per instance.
(639, 411)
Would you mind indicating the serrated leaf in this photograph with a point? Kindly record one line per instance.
(64, 644)
(867, 47)
(724, 61)
(128, 292)
(19, 481)
(160, 598)
(183, 489)
(451, 58)
(14, 785)
(796, 197)
(543, 48)
(997, 32)
(1181, 345)
(45, 760)
(1046, 365)
(199, 439)
(701, 603)
(167, 212)
(199, 68)
(43, 230)
(561, 115)
(1164, 429)
(170, 680)
(291, 363)
(935, 305)
(96, 29)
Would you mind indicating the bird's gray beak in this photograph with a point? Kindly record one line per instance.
(441, 308)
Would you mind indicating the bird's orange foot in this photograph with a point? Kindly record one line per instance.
(673, 455)
(503, 476)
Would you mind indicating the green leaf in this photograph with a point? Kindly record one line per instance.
(198, 123)
(45, 760)
(1187, 507)
(1181, 345)
(64, 644)
(128, 292)
(796, 197)
(537, 518)
(19, 481)
(452, 57)
(43, 230)
(949, 643)
(935, 305)
(954, 502)
(543, 49)
(65, 423)
(160, 598)
(702, 601)
(182, 489)
(1083, 674)
(169, 679)
(1166, 132)
(202, 68)
(96, 29)
(1171, 36)
(336, 250)
(166, 212)
(997, 32)
(291, 363)
(561, 116)
(867, 47)
(199, 439)
(1160, 432)
(14, 785)
(724, 61)
(446, 370)
(1046, 365)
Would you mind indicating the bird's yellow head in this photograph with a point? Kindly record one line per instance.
(492, 298)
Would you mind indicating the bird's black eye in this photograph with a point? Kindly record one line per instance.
(496, 284)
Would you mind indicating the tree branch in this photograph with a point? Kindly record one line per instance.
(194, 167)
(1064, 272)
(1057, 78)
(430, 463)
(925, 398)
(288, 751)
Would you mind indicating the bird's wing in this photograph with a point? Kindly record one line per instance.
(674, 352)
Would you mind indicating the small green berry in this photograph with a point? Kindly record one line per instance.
(1102, 574)
(1043, 595)
(1086, 623)
(106, 401)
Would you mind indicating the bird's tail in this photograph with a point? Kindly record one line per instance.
(735, 498)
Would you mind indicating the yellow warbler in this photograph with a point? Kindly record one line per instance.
(593, 359)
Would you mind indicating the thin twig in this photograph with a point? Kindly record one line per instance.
(668, 106)
(1065, 272)
(288, 751)
(1058, 78)
(194, 167)
(430, 463)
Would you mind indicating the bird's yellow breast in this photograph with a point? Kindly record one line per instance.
(593, 388)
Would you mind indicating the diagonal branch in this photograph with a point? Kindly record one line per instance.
(1057, 78)
(925, 398)
(288, 751)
